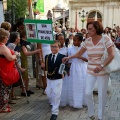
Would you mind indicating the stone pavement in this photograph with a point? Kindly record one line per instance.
(39, 109)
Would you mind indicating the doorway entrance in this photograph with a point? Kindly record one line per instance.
(92, 16)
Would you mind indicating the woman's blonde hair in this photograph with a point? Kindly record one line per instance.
(3, 34)
(6, 26)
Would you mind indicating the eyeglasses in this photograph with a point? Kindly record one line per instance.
(54, 46)
(89, 29)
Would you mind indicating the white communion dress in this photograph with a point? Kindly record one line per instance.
(77, 80)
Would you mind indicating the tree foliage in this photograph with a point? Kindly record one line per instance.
(20, 7)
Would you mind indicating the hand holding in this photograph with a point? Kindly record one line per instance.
(62, 75)
(42, 65)
(68, 73)
(16, 53)
(98, 69)
(38, 50)
(65, 59)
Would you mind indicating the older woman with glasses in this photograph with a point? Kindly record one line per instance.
(9, 56)
(95, 69)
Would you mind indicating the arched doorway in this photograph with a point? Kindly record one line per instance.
(92, 15)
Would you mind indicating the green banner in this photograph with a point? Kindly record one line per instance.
(40, 6)
(39, 31)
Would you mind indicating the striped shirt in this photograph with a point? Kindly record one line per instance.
(95, 53)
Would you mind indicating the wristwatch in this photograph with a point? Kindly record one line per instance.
(102, 65)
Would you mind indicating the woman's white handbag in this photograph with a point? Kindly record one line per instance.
(114, 65)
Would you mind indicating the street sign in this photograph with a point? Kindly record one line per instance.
(39, 31)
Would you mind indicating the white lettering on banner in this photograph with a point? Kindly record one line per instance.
(44, 31)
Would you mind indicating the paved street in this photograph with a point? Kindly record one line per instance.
(39, 109)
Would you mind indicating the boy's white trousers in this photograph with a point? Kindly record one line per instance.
(53, 91)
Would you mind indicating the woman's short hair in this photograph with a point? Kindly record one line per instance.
(3, 34)
(6, 26)
(97, 25)
(14, 36)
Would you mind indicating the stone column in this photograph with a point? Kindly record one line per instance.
(113, 11)
(76, 20)
(63, 18)
(53, 17)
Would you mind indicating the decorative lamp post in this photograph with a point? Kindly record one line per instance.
(83, 16)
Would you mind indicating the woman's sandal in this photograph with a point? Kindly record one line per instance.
(7, 110)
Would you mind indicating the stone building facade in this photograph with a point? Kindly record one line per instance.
(106, 11)
(50, 4)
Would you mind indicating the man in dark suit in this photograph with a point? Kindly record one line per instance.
(54, 79)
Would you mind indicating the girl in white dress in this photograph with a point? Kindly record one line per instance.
(78, 68)
(63, 50)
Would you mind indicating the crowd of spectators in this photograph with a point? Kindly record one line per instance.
(18, 42)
